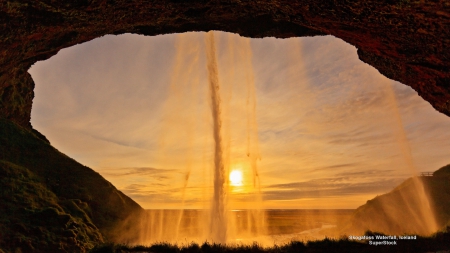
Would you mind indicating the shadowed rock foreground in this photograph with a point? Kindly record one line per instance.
(50, 202)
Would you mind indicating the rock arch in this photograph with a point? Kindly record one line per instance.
(405, 40)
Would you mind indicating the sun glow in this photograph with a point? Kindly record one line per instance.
(236, 178)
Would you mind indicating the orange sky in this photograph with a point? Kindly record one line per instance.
(329, 133)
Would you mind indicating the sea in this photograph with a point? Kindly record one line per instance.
(265, 227)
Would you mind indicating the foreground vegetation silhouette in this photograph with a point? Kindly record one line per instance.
(436, 243)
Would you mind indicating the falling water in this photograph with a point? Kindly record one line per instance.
(256, 215)
(418, 206)
(224, 225)
(218, 210)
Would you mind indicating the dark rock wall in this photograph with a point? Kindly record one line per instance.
(405, 40)
(16, 96)
(51, 203)
(400, 211)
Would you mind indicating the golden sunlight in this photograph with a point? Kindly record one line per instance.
(236, 177)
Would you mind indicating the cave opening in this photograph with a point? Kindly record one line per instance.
(328, 124)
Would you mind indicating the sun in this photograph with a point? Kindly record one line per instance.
(236, 178)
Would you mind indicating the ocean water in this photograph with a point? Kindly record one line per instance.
(278, 226)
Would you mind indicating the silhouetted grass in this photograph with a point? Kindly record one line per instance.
(437, 242)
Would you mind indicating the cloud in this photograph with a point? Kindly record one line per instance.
(125, 143)
(134, 187)
(368, 173)
(160, 174)
(362, 139)
(337, 166)
(328, 187)
(149, 195)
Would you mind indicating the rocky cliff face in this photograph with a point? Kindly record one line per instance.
(401, 211)
(405, 40)
(51, 203)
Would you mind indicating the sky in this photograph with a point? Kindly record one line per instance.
(329, 131)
